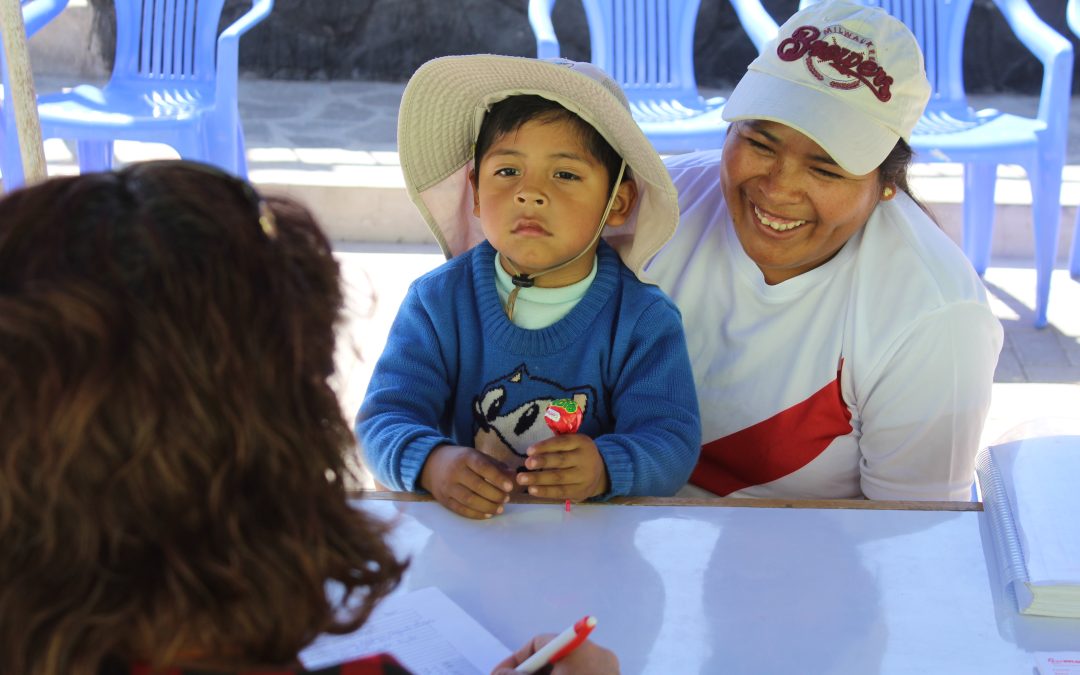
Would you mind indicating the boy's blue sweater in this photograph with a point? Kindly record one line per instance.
(456, 371)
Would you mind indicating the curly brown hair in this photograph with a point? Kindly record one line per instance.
(172, 457)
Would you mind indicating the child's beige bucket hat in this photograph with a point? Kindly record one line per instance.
(441, 111)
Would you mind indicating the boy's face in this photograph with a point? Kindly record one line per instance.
(540, 194)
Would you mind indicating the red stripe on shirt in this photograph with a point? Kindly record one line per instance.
(379, 664)
(775, 447)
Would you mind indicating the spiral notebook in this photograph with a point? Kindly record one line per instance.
(1031, 495)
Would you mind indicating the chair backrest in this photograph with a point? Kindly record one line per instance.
(939, 26)
(646, 45)
(166, 39)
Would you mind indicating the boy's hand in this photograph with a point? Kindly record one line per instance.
(466, 481)
(565, 467)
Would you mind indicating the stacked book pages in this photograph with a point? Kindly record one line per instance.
(1031, 496)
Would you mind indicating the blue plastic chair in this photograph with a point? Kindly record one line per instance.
(173, 81)
(951, 131)
(647, 46)
(36, 13)
(1072, 16)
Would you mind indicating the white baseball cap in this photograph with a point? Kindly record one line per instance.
(441, 111)
(848, 76)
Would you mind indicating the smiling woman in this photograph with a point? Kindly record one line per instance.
(841, 344)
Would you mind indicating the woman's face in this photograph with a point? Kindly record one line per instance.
(792, 205)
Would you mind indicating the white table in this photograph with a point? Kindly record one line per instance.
(685, 589)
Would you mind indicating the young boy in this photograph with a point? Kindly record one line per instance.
(532, 307)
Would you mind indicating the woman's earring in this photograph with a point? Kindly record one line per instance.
(887, 193)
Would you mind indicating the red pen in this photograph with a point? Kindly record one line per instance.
(561, 645)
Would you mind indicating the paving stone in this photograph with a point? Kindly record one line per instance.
(1057, 373)
(1071, 346)
(1008, 367)
(345, 110)
(1038, 348)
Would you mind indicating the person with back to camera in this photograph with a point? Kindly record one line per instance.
(842, 345)
(534, 307)
(172, 491)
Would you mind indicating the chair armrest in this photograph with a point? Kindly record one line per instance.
(40, 12)
(1056, 55)
(228, 45)
(547, 45)
(760, 27)
(260, 9)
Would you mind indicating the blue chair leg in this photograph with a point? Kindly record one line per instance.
(221, 143)
(11, 163)
(979, 186)
(1074, 257)
(1045, 218)
(193, 147)
(94, 155)
(241, 153)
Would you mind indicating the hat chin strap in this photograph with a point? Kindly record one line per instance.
(529, 280)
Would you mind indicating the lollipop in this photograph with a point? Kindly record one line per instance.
(563, 416)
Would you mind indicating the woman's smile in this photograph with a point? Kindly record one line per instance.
(778, 223)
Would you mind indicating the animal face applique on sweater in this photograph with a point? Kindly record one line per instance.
(508, 413)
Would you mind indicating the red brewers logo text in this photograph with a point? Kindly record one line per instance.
(850, 55)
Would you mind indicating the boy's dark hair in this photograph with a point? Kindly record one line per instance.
(172, 456)
(511, 113)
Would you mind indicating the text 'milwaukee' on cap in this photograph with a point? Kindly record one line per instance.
(848, 76)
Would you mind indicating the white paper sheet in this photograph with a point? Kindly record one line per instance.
(1040, 477)
(1058, 663)
(425, 630)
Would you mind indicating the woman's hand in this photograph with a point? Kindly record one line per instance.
(588, 659)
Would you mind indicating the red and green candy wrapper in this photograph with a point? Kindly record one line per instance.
(563, 416)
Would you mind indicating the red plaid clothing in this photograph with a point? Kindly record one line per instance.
(379, 664)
